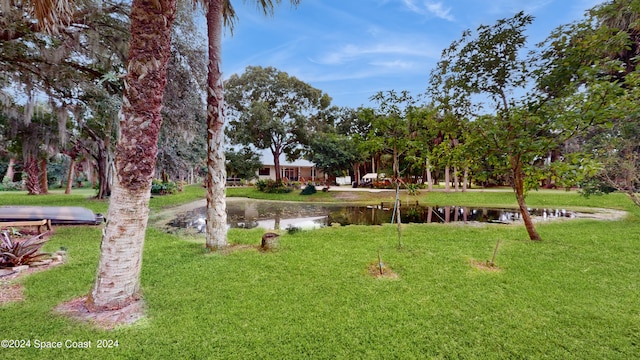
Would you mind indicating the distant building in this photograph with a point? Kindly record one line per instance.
(299, 170)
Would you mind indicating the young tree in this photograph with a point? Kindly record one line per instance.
(270, 110)
(334, 154)
(489, 63)
(392, 130)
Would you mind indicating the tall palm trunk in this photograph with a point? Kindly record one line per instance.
(518, 188)
(118, 276)
(216, 175)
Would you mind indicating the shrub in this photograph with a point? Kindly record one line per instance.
(308, 190)
(16, 253)
(159, 187)
(383, 184)
(292, 229)
(11, 186)
(412, 189)
(272, 187)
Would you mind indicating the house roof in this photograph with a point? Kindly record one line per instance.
(266, 157)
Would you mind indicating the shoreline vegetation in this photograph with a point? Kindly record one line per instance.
(351, 292)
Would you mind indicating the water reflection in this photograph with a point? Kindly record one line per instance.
(282, 215)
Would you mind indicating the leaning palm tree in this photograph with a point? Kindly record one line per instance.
(220, 13)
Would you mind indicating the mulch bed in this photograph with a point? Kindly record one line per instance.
(485, 265)
(387, 272)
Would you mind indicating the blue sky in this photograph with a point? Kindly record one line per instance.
(352, 49)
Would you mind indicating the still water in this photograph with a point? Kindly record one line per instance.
(282, 215)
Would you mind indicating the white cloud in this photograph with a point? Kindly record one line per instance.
(429, 8)
(396, 64)
(353, 52)
(509, 7)
(438, 10)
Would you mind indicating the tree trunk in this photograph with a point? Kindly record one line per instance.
(447, 179)
(44, 182)
(102, 160)
(33, 181)
(518, 188)
(429, 177)
(456, 180)
(72, 166)
(276, 164)
(398, 219)
(465, 179)
(8, 176)
(216, 175)
(118, 275)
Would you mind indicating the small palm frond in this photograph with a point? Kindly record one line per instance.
(51, 13)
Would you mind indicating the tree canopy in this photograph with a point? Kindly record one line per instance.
(269, 109)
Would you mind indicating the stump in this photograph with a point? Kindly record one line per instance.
(269, 241)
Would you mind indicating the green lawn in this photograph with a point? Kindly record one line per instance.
(576, 295)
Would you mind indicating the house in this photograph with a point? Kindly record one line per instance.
(299, 170)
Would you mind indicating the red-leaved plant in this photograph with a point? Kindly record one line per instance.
(16, 253)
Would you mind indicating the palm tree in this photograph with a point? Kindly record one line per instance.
(118, 276)
(219, 14)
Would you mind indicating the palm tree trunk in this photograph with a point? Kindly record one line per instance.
(118, 276)
(216, 175)
(33, 181)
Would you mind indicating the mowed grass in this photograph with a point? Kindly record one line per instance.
(574, 295)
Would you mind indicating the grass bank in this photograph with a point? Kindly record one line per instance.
(489, 198)
(575, 295)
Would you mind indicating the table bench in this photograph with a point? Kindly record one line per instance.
(39, 223)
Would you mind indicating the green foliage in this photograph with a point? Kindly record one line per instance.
(293, 229)
(11, 186)
(309, 190)
(269, 109)
(159, 187)
(243, 164)
(392, 126)
(556, 289)
(591, 67)
(413, 189)
(270, 186)
(23, 252)
(333, 154)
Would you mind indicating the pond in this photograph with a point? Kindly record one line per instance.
(248, 213)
